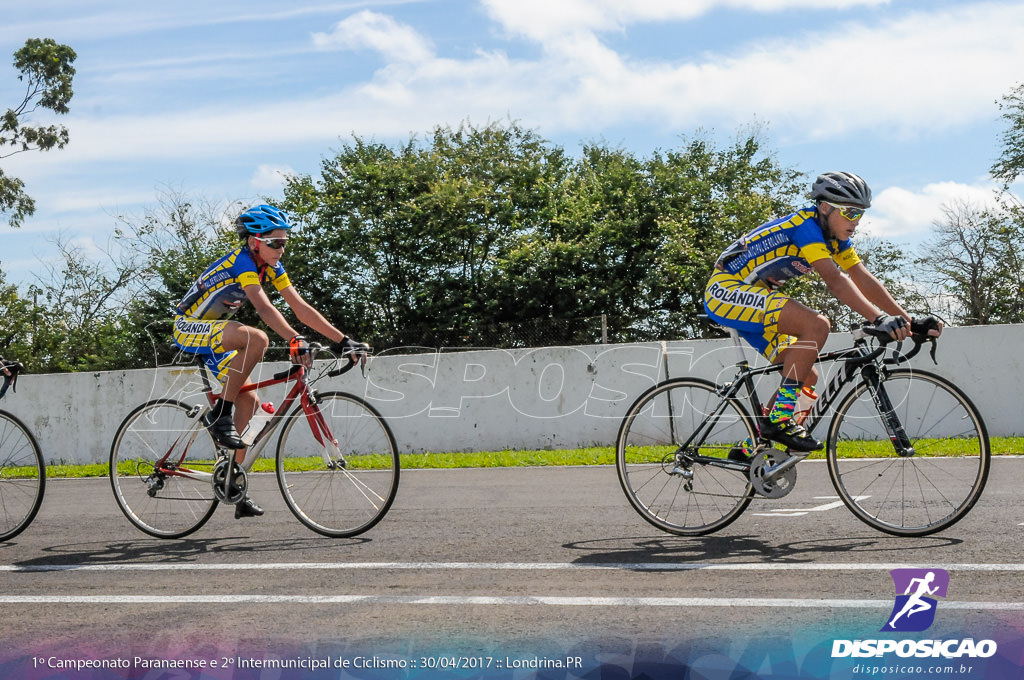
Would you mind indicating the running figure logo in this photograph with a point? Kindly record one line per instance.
(914, 610)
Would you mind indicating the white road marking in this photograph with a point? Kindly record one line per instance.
(797, 512)
(557, 601)
(747, 567)
(511, 566)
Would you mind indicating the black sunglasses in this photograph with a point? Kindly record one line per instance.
(275, 243)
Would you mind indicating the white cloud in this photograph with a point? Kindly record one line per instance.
(270, 177)
(544, 19)
(903, 77)
(378, 32)
(899, 214)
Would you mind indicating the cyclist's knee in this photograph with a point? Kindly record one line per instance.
(819, 329)
(256, 340)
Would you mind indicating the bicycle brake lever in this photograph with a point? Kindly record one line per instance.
(897, 349)
(935, 345)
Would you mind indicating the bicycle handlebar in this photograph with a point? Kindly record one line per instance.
(353, 359)
(918, 335)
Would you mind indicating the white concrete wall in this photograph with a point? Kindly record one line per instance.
(495, 399)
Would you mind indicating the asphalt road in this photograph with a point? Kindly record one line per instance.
(536, 560)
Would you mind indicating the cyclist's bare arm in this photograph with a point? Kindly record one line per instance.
(309, 316)
(268, 312)
(845, 290)
(874, 291)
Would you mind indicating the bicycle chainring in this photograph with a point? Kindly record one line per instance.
(780, 485)
(239, 485)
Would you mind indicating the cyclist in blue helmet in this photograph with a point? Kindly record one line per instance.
(743, 293)
(231, 350)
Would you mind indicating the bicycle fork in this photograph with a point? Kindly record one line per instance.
(893, 427)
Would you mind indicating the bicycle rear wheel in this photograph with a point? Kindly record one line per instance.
(682, 490)
(149, 469)
(341, 484)
(922, 493)
(22, 477)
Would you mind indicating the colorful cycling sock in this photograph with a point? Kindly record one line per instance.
(785, 401)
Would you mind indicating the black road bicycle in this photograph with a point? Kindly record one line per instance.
(907, 450)
(22, 471)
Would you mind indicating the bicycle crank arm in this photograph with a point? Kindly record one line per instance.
(771, 472)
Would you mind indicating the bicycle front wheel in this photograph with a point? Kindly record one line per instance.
(22, 477)
(673, 477)
(918, 494)
(161, 464)
(337, 465)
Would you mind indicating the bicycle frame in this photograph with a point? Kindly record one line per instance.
(856, 360)
(300, 390)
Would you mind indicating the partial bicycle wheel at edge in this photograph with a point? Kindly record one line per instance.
(669, 486)
(22, 477)
(149, 477)
(915, 495)
(338, 491)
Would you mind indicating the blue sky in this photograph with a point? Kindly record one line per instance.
(217, 100)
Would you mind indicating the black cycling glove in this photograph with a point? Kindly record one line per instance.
(353, 348)
(889, 323)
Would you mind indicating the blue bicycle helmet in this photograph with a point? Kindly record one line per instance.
(260, 220)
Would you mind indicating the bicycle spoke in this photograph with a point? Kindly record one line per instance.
(351, 494)
(665, 484)
(933, 486)
(162, 502)
(22, 477)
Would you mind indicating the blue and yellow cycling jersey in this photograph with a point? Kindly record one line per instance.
(784, 249)
(219, 292)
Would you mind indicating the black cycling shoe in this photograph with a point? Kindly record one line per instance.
(247, 508)
(223, 431)
(791, 435)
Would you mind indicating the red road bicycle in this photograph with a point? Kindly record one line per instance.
(338, 475)
(22, 469)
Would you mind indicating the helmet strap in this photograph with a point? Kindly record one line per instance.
(826, 231)
(255, 252)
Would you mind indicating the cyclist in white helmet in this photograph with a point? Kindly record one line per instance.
(742, 292)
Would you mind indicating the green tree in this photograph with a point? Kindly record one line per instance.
(171, 245)
(20, 320)
(589, 252)
(84, 302)
(710, 196)
(1010, 164)
(401, 242)
(484, 229)
(46, 69)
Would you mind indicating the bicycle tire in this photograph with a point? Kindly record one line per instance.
(339, 500)
(164, 506)
(648, 466)
(921, 494)
(22, 476)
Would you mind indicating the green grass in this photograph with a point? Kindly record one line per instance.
(562, 457)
